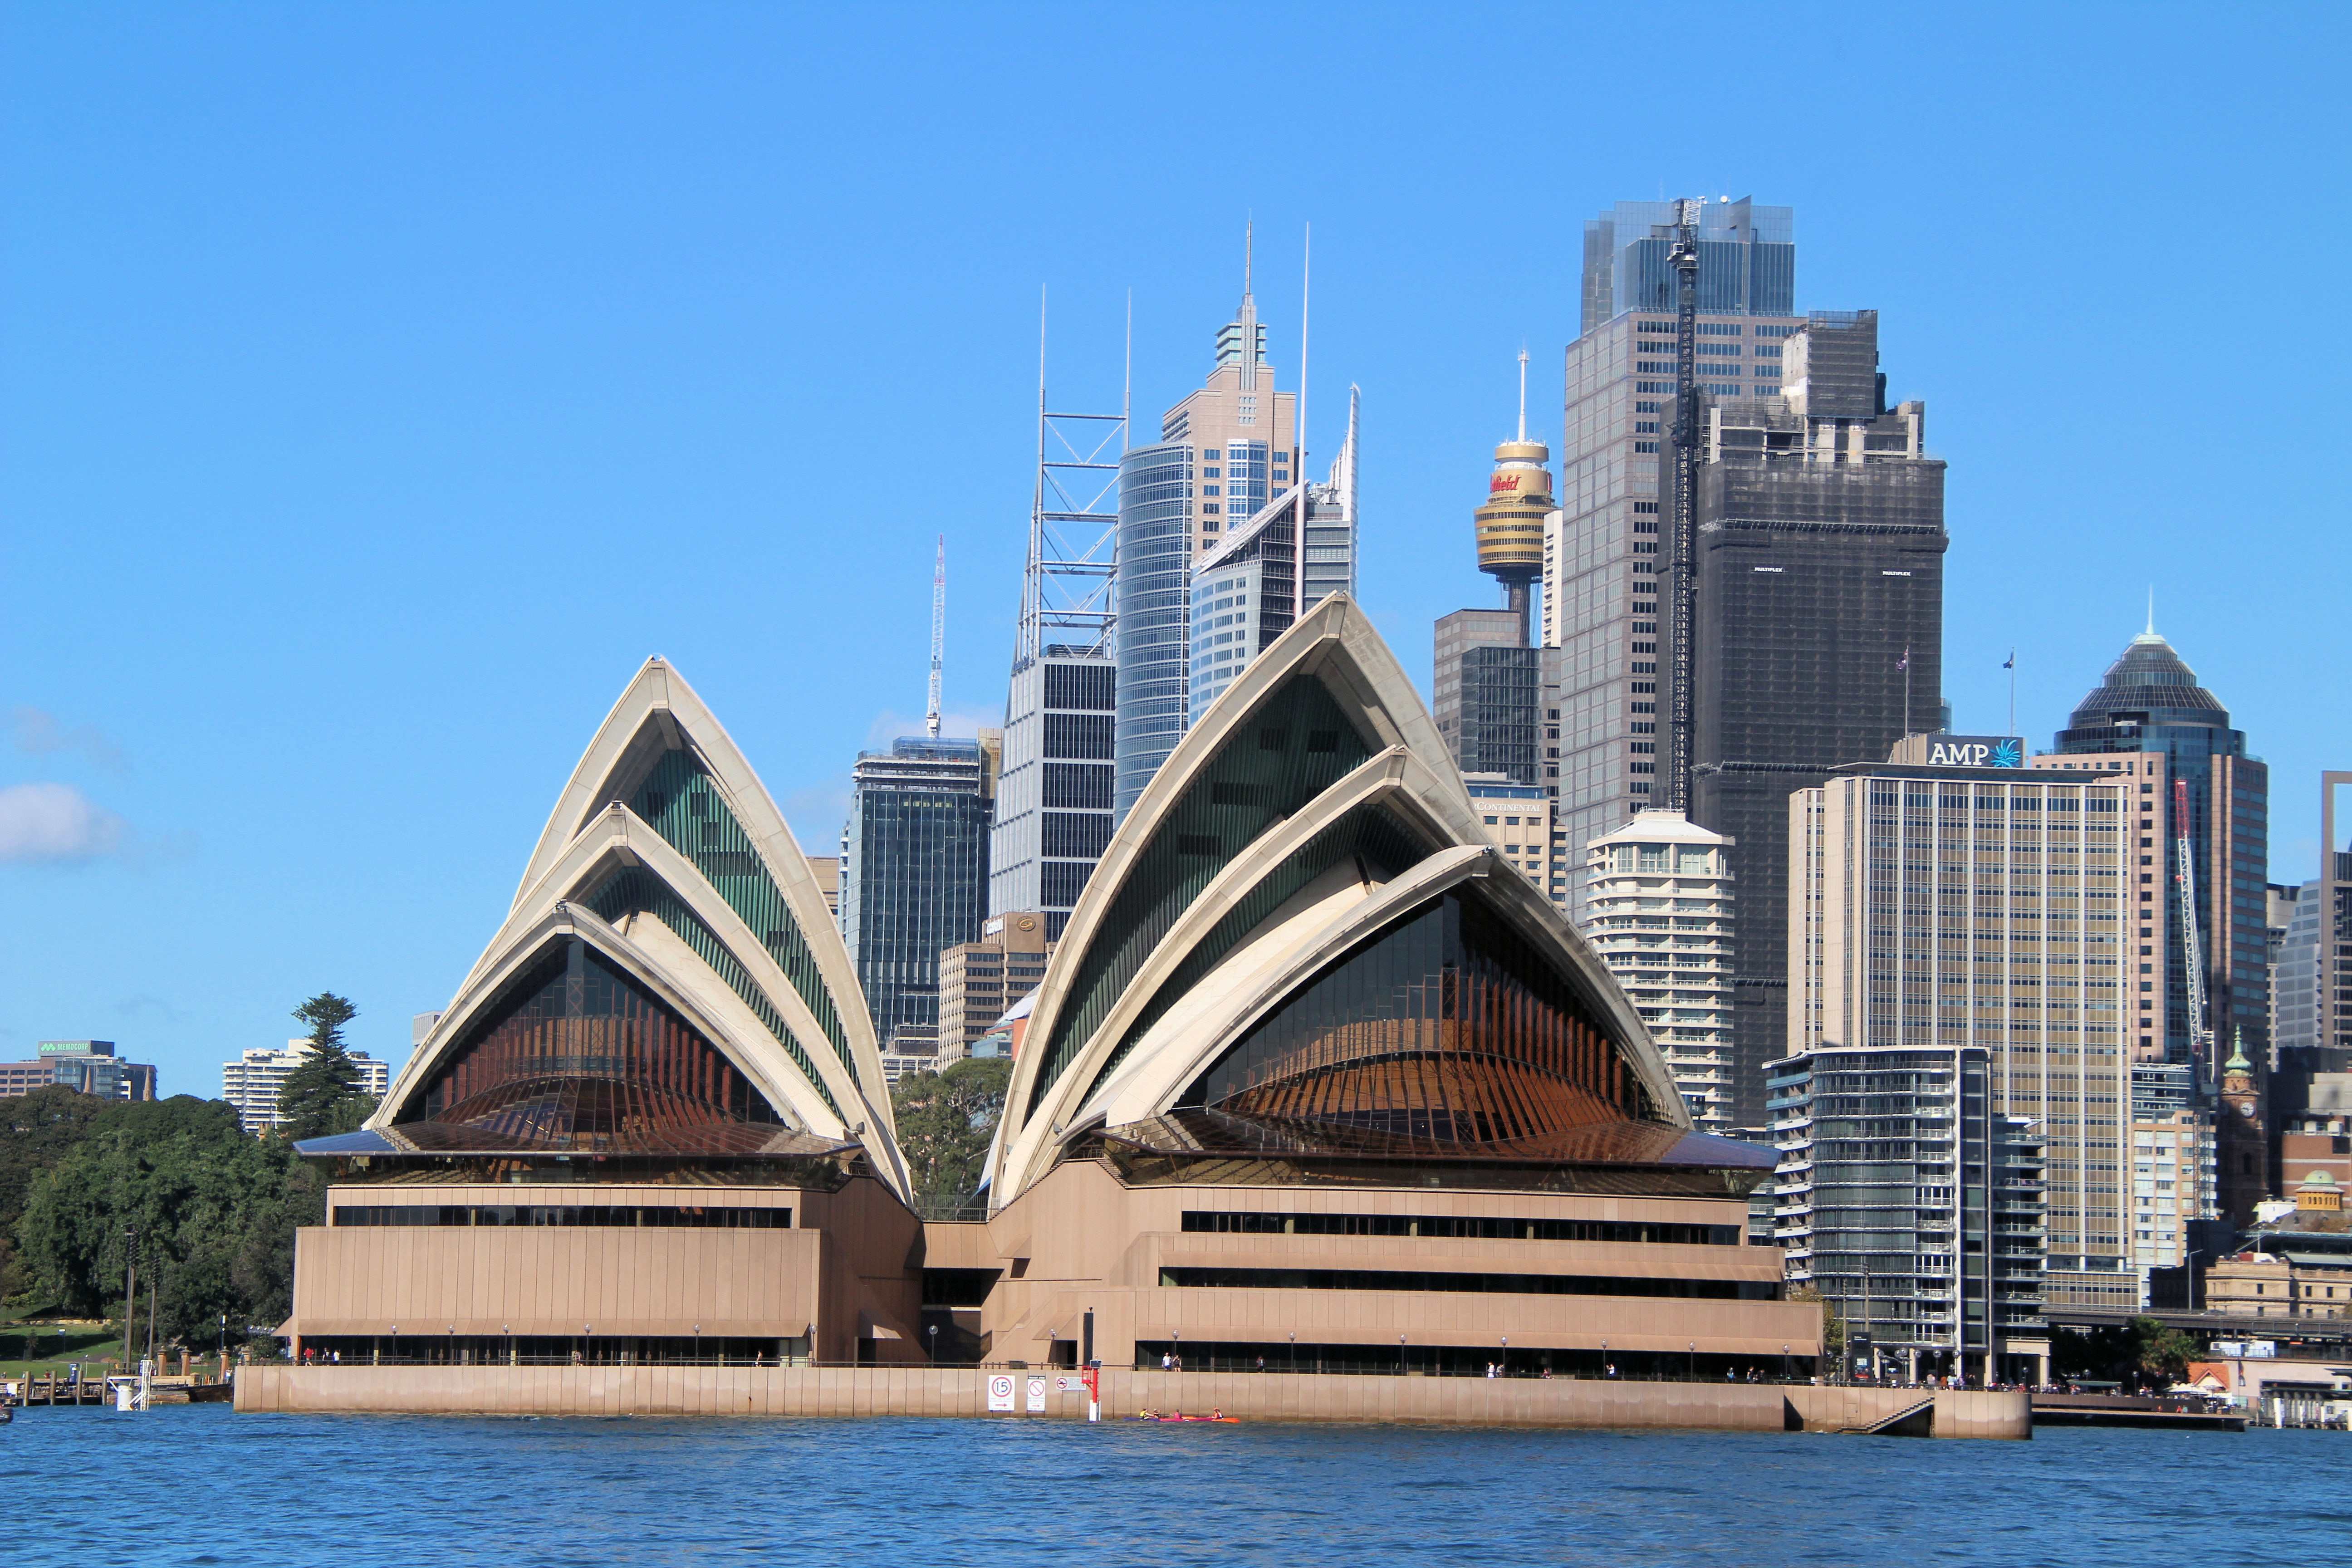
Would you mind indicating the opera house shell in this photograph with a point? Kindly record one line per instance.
(1316, 1078)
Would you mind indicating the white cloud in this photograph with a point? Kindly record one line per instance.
(40, 733)
(56, 825)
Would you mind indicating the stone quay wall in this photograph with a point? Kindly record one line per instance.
(1268, 1396)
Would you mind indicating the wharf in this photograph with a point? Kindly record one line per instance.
(1050, 1393)
(2132, 1410)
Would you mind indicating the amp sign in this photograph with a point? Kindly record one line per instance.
(1975, 750)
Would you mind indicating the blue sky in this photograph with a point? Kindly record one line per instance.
(379, 385)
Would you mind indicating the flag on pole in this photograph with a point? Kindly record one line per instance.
(1905, 662)
(2010, 662)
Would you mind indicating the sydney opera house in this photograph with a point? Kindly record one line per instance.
(1314, 1076)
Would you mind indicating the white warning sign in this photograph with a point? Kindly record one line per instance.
(1036, 1395)
(1000, 1391)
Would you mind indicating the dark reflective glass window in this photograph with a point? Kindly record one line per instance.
(1448, 1026)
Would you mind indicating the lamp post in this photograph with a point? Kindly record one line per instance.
(1294, 1350)
(1784, 1364)
(1506, 1354)
(1400, 1356)
(1694, 1360)
(1605, 1360)
(933, 1330)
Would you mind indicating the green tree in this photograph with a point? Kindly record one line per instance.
(2105, 1355)
(1832, 1321)
(2163, 1352)
(945, 1122)
(321, 1097)
(210, 1210)
(36, 1131)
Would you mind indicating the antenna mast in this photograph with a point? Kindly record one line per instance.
(938, 635)
(1066, 590)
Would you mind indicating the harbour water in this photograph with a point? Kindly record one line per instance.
(199, 1485)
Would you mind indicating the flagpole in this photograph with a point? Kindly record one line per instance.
(2012, 691)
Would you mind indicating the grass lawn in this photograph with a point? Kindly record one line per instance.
(39, 1348)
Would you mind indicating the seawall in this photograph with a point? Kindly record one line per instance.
(1269, 1396)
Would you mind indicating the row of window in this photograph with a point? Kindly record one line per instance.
(1473, 1284)
(1252, 1221)
(609, 1216)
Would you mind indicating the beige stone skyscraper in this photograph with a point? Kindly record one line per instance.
(1982, 907)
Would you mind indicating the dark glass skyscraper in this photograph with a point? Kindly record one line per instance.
(1820, 628)
(914, 872)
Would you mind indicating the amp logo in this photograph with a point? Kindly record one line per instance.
(1976, 751)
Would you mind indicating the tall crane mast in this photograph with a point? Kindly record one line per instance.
(2185, 877)
(938, 635)
(1682, 561)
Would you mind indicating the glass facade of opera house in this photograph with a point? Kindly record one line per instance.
(1315, 1079)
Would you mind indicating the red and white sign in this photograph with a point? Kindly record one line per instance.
(1000, 1391)
(1036, 1395)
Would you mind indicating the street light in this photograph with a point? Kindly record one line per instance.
(933, 1330)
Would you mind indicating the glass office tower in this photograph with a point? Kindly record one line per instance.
(1225, 451)
(1601, 560)
(1154, 642)
(914, 873)
(1746, 260)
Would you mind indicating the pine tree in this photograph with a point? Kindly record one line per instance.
(322, 1095)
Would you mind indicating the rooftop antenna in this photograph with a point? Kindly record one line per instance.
(939, 634)
(1298, 420)
(1127, 377)
(1523, 393)
(2151, 609)
(1249, 237)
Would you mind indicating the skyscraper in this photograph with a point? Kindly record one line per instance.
(914, 872)
(1269, 570)
(1234, 439)
(1052, 808)
(1600, 545)
(2149, 716)
(1658, 896)
(1940, 907)
(2326, 1045)
(1817, 631)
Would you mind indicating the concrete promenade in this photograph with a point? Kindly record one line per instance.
(1268, 1396)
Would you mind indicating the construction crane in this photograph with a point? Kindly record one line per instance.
(938, 635)
(2185, 876)
(1682, 561)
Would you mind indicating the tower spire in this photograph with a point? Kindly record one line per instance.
(938, 635)
(1523, 393)
(1249, 240)
(2151, 609)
